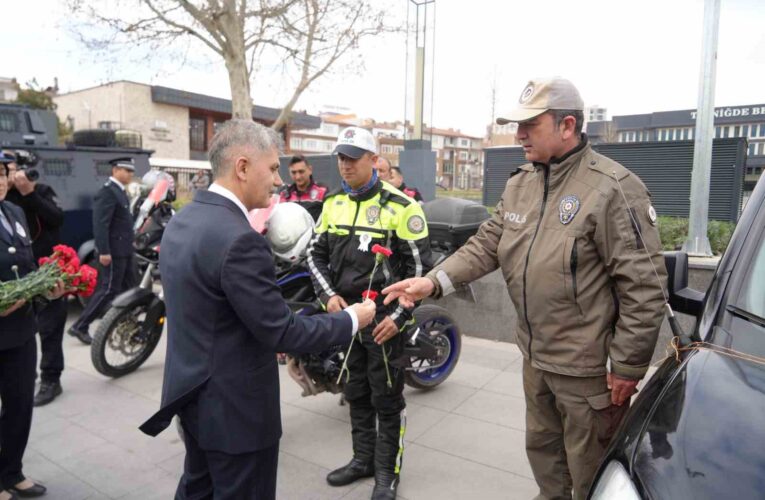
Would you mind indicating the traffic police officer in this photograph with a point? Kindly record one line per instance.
(113, 232)
(365, 212)
(572, 234)
(44, 218)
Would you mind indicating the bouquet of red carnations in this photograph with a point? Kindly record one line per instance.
(63, 265)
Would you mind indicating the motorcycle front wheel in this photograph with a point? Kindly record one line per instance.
(119, 345)
(441, 329)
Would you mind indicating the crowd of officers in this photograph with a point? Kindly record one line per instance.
(574, 234)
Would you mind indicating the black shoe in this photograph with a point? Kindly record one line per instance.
(47, 393)
(386, 485)
(355, 470)
(36, 490)
(83, 337)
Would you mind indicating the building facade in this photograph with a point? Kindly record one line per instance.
(732, 121)
(174, 123)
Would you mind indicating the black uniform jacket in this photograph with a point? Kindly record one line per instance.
(43, 215)
(21, 325)
(112, 221)
(226, 319)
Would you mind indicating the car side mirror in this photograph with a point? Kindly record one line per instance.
(681, 298)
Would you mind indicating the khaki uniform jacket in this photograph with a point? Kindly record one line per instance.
(575, 268)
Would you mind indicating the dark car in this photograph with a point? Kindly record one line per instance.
(697, 429)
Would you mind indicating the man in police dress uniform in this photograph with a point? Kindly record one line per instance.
(113, 232)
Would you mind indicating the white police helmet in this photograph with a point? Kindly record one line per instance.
(289, 229)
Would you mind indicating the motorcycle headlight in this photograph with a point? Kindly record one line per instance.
(615, 483)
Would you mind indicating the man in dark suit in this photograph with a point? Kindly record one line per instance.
(225, 320)
(113, 232)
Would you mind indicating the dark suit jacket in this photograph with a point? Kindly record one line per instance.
(44, 217)
(225, 320)
(21, 325)
(112, 221)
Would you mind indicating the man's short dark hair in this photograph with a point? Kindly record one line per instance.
(560, 114)
(299, 159)
(397, 169)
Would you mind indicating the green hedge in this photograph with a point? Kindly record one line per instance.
(674, 231)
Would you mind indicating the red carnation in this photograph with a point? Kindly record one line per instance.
(381, 250)
(369, 294)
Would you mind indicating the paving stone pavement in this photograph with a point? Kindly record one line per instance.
(464, 439)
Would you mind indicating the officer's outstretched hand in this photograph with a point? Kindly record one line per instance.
(385, 330)
(409, 291)
(365, 312)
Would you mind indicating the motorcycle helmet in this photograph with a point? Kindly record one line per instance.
(289, 229)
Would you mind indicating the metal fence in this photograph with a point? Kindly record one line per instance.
(664, 167)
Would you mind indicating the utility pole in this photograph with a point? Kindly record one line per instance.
(697, 243)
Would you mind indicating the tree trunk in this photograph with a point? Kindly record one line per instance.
(241, 102)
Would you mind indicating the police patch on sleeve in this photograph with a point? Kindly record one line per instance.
(415, 224)
(652, 214)
(568, 208)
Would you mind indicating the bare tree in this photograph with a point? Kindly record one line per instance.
(308, 35)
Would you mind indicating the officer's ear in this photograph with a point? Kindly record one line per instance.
(567, 127)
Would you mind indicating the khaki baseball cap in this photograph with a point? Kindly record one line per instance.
(541, 95)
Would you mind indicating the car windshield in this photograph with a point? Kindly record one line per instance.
(752, 296)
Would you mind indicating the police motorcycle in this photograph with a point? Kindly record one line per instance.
(132, 326)
(433, 341)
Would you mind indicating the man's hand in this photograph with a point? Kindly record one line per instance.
(337, 303)
(385, 330)
(622, 389)
(365, 311)
(409, 291)
(13, 308)
(105, 260)
(57, 291)
(22, 184)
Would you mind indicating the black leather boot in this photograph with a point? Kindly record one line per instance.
(355, 470)
(47, 393)
(386, 484)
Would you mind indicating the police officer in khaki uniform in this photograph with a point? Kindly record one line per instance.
(575, 259)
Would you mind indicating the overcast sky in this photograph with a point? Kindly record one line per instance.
(629, 56)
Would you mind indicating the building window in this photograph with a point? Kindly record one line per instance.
(736, 131)
(463, 155)
(197, 136)
(9, 122)
(717, 132)
(726, 131)
(310, 145)
(667, 135)
(744, 130)
(109, 125)
(295, 143)
(464, 143)
(387, 149)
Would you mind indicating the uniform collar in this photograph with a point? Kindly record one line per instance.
(117, 183)
(218, 189)
(366, 195)
(561, 167)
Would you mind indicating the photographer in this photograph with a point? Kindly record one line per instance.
(45, 219)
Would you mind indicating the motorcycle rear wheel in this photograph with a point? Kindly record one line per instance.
(116, 333)
(430, 318)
